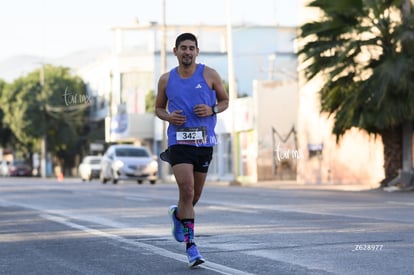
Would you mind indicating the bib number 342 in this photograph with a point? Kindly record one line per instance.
(190, 135)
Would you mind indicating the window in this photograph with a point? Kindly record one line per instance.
(131, 152)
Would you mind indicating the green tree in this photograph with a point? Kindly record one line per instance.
(363, 50)
(7, 138)
(47, 101)
(5, 132)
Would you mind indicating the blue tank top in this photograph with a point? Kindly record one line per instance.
(184, 94)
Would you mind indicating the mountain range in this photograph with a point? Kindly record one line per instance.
(20, 65)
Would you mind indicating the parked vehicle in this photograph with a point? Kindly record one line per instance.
(90, 168)
(20, 169)
(128, 162)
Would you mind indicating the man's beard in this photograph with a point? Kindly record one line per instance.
(187, 61)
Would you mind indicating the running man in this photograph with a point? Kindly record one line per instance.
(189, 97)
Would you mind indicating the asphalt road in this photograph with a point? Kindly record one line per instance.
(71, 227)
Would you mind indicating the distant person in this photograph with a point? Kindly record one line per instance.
(189, 97)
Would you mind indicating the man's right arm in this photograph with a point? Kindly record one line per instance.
(161, 99)
(176, 117)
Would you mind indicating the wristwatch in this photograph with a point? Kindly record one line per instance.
(215, 109)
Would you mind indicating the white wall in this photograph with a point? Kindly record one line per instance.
(276, 105)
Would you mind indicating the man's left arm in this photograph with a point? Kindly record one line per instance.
(221, 93)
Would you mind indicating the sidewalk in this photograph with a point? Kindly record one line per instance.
(297, 185)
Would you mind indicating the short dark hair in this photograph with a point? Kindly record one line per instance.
(185, 36)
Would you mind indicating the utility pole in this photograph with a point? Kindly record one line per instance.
(43, 140)
(232, 92)
(163, 52)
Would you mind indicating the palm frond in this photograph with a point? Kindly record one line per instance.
(365, 53)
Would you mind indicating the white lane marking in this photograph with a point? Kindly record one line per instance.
(401, 203)
(153, 249)
(293, 208)
(232, 209)
(135, 198)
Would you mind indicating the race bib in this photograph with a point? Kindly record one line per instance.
(191, 135)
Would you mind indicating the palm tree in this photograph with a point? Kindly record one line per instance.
(364, 50)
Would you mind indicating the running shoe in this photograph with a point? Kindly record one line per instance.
(194, 257)
(176, 226)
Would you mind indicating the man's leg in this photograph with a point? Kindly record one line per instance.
(199, 180)
(184, 176)
(177, 226)
(183, 173)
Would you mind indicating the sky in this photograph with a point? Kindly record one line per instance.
(52, 29)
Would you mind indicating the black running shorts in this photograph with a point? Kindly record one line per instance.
(200, 157)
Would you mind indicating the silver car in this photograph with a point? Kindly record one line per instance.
(90, 168)
(128, 162)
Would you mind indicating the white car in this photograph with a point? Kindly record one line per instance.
(90, 168)
(128, 162)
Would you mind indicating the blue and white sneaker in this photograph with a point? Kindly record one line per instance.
(194, 257)
(176, 226)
